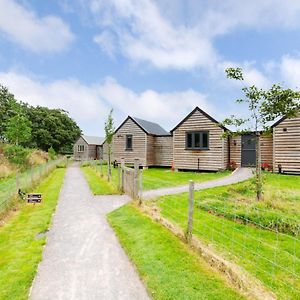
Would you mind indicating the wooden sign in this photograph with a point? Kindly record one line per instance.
(34, 198)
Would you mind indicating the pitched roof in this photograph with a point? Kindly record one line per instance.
(148, 127)
(202, 112)
(93, 140)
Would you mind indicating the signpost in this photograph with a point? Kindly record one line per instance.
(34, 198)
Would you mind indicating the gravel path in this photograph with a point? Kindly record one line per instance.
(238, 175)
(83, 258)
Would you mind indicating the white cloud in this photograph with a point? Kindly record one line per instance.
(35, 33)
(90, 104)
(149, 37)
(161, 34)
(290, 71)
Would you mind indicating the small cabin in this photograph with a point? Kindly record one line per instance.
(198, 143)
(286, 145)
(243, 150)
(140, 139)
(88, 148)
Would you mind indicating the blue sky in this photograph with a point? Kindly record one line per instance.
(156, 60)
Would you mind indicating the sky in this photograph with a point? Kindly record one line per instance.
(150, 59)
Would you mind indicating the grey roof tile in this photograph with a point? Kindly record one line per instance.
(93, 140)
(150, 127)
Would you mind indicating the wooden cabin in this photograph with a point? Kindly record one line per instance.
(88, 148)
(243, 150)
(144, 140)
(286, 145)
(198, 143)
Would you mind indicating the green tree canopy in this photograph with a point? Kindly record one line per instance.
(49, 127)
(264, 105)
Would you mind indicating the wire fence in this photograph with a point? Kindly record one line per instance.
(12, 187)
(126, 179)
(271, 256)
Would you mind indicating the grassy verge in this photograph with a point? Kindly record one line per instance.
(155, 178)
(169, 269)
(20, 250)
(272, 258)
(99, 185)
(279, 210)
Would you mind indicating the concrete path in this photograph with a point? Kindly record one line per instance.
(83, 258)
(238, 175)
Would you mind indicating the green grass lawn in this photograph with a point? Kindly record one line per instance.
(99, 185)
(20, 250)
(280, 208)
(273, 259)
(169, 269)
(155, 178)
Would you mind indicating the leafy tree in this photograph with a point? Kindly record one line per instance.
(109, 133)
(18, 128)
(52, 128)
(7, 102)
(263, 106)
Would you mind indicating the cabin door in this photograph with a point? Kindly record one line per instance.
(248, 150)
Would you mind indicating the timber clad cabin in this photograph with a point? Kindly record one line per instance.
(286, 145)
(88, 148)
(147, 141)
(198, 143)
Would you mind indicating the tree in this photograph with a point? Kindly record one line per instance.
(18, 129)
(7, 102)
(109, 133)
(263, 106)
(52, 128)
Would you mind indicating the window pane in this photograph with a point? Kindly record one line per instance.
(205, 140)
(189, 143)
(197, 140)
(129, 142)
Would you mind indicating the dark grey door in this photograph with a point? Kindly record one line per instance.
(248, 150)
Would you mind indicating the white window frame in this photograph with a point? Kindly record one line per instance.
(80, 148)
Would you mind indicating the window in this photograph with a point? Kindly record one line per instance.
(80, 148)
(197, 140)
(129, 142)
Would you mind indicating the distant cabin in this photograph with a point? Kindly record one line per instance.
(88, 148)
(198, 143)
(286, 145)
(144, 140)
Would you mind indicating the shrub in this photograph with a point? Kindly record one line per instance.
(52, 153)
(232, 165)
(266, 166)
(17, 154)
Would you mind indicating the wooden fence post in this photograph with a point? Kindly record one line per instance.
(191, 211)
(136, 179)
(141, 187)
(119, 177)
(122, 174)
(101, 172)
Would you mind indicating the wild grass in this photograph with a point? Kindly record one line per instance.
(20, 249)
(99, 184)
(169, 269)
(279, 209)
(230, 220)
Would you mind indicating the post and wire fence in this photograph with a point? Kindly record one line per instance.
(266, 253)
(22, 182)
(128, 179)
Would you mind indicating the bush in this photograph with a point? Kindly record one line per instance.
(52, 153)
(232, 165)
(17, 154)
